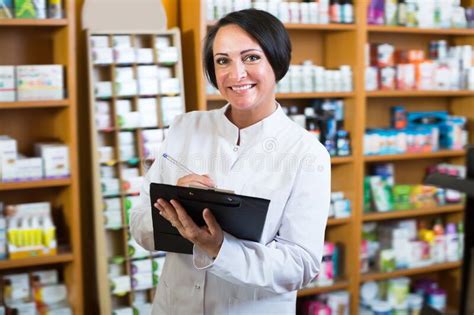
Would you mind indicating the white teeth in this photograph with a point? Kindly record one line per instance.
(241, 87)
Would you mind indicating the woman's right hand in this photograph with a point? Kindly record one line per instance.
(196, 180)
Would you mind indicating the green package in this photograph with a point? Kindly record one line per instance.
(401, 197)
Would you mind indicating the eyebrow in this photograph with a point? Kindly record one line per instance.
(242, 52)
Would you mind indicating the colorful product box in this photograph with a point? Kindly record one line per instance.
(7, 83)
(30, 9)
(6, 10)
(40, 82)
(8, 156)
(55, 9)
(120, 285)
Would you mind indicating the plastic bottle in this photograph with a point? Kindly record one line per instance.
(452, 243)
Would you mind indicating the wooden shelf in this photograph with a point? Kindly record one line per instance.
(342, 159)
(46, 183)
(416, 30)
(34, 22)
(396, 93)
(310, 27)
(36, 261)
(293, 96)
(400, 214)
(377, 276)
(338, 285)
(34, 104)
(338, 221)
(415, 156)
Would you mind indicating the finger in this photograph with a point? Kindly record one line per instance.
(168, 212)
(197, 179)
(184, 218)
(211, 221)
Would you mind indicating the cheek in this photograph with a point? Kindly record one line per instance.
(220, 78)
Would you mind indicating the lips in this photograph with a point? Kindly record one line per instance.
(241, 87)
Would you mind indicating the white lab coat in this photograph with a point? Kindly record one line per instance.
(277, 160)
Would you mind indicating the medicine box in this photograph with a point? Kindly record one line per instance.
(55, 159)
(7, 83)
(39, 82)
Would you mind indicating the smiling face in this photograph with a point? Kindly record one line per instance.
(244, 75)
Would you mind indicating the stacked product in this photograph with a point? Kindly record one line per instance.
(27, 230)
(381, 194)
(324, 119)
(393, 296)
(327, 304)
(413, 132)
(31, 83)
(420, 13)
(307, 12)
(31, 9)
(37, 292)
(446, 68)
(51, 161)
(331, 265)
(410, 244)
(340, 206)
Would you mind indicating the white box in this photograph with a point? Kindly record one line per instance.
(170, 86)
(132, 185)
(170, 108)
(110, 186)
(106, 154)
(40, 82)
(8, 156)
(122, 74)
(162, 42)
(168, 55)
(99, 41)
(147, 72)
(148, 87)
(165, 73)
(144, 55)
(122, 41)
(29, 168)
(124, 55)
(113, 219)
(127, 152)
(55, 159)
(102, 55)
(126, 88)
(152, 135)
(126, 137)
(7, 83)
(103, 89)
(148, 109)
(129, 120)
(123, 106)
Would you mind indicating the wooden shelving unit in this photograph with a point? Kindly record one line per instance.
(332, 46)
(111, 244)
(402, 214)
(27, 42)
(377, 276)
(415, 156)
(338, 285)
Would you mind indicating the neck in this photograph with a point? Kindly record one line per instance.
(245, 118)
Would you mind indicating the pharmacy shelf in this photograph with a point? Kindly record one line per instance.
(47, 183)
(416, 30)
(293, 96)
(34, 104)
(415, 156)
(338, 221)
(36, 261)
(310, 27)
(342, 159)
(435, 93)
(400, 214)
(377, 276)
(34, 22)
(338, 285)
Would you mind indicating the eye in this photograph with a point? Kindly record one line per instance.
(221, 61)
(252, 58)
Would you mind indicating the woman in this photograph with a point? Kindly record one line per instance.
(251, 147)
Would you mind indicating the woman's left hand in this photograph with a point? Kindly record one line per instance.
(209, 237)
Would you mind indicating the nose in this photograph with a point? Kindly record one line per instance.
(238, 71)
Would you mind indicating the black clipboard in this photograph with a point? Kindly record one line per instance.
(241, 216)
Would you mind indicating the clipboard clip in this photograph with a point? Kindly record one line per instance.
(208, 196)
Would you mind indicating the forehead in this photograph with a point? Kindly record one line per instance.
(232, 38)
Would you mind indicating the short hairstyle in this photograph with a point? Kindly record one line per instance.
(266, 29)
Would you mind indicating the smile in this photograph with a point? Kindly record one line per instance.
(238, 88)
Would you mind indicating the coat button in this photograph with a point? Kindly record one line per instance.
(236, 149)
(197, 286)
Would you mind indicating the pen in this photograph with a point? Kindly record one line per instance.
(181, 166)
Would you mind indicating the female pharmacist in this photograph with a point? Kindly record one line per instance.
(251, 147)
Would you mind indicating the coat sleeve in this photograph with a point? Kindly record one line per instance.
(292, 259)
